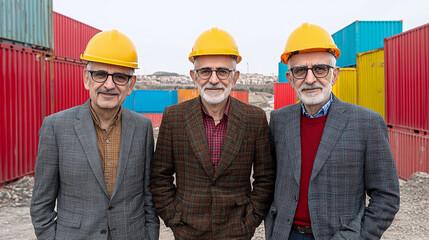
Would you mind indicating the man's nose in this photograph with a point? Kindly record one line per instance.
(109, 84)
(213, 78)
(310, 78)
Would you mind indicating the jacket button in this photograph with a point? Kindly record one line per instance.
(296, 198)
(110, 208)
(104, 231)
(288, 221)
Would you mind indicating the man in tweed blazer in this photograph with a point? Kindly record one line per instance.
(211, 144)
(330, 154)
(93, 161)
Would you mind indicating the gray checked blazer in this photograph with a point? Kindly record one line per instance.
(68, 171)
(353, 159)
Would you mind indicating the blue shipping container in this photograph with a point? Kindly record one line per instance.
(150, 101)
(283, 68)
(362, 36)
(27, 23)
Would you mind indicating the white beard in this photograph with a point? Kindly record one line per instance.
(214, 98)
(314, 98)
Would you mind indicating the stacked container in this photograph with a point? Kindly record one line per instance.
(407, 99)
(362, 36)
(345, 87)
(284, 95)
(370, 80)
(283, 68)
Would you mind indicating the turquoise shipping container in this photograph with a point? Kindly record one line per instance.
(362, 36)
(283, 68)
(27, 23)
(150, 101)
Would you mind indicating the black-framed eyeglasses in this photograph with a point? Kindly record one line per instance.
(101, 76)
(319, 71)
(221, 73)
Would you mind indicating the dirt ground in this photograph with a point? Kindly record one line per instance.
(411, 222)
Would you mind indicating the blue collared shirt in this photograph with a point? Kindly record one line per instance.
(322, 112)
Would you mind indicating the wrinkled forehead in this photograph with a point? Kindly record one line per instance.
(215, 61)
(310, 58)
(95, 66)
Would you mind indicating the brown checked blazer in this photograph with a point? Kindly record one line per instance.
(203, 203)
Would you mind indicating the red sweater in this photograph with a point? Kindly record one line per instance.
(311, 134)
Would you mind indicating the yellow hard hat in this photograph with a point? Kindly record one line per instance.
(309, 38)
(111, 47)
(214, 42)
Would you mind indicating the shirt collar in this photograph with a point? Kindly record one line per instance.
(97, 121)
(322, 112)
(225, 112)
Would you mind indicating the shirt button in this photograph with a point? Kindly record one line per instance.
(104, 231)
(213, 183)
(107, 140)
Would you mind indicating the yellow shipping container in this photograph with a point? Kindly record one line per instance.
(370, 75)
(345, 88)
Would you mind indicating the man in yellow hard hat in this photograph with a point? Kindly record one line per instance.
(210, 144)
(330, 155)
(93, 161)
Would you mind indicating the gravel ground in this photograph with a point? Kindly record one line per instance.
(411, 222)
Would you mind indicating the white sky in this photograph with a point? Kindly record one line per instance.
(164, 31)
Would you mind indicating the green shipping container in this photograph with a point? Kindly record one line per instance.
(27, 23)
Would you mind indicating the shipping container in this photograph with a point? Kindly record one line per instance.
(410, 150)
(345, 88)
(71, 36)
(22, 109)
(284, 95)
(186, 94)
(362, 36)
(240, 95)
(27, 23)
(283, 68)
(67, 84)
(407, 78)
(156, 118)
(153, 101)
(370, 80)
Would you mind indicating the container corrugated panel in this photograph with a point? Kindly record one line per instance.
(283, 68)
(156, 118)
(284, 95)
(362, 36)
(186, 94)
(407, 78)
(345, 88)
(68, 87)
(27, 23)
(240, 95)
(410, 151)
(22, 104)
(129, 101)
(71, 36)
(154, 101)
(370, 80)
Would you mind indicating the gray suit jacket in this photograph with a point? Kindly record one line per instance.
(68, 171)
(353, 158)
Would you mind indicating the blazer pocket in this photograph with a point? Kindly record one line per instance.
(348, 223)
(72, 220)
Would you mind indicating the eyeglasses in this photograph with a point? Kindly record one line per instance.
(319, 71)
(206, 73)
(101, 76)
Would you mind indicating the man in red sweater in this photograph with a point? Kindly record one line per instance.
(329, 154)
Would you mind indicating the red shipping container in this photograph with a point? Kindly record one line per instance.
(407, 78)
(67, 84)
(22, 109)
(156, 118)
(241, 95)
(284, 95)
(410, 151)
(71, 36)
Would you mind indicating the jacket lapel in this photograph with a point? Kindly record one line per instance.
(127, 132)
(194, 128)
(292, 138)
(235, 132)
(84, 127)
(335, 124)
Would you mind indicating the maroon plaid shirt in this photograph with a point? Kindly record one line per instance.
(215, 134)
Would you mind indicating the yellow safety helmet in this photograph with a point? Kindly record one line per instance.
(111, 47)
(214, 42)
(309, 38)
